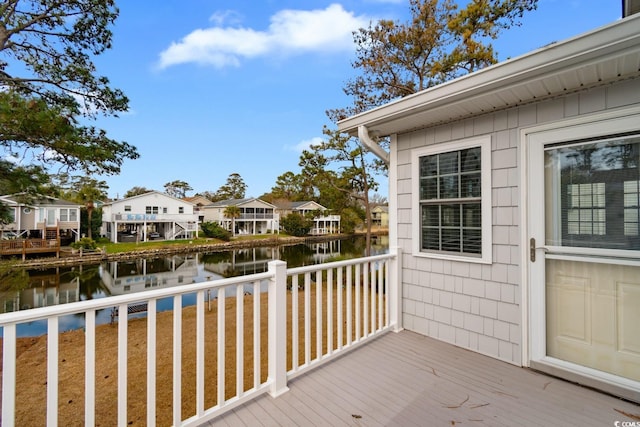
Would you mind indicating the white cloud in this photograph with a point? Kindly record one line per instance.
(220, 17)
(304, 145)
(290, 32)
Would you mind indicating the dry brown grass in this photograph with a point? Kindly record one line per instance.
(31, 365)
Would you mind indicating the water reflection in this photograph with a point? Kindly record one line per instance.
(60, 285)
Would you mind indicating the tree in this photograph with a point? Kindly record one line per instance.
(297, 225)
(87, 191)
(26, 182)
(50, 90)
(235, 188)
(378, 199)
(291, 187)
(440, 42)
(214, 230)
(136, 191)
(354, 164)
(232, 212)
(177, 188)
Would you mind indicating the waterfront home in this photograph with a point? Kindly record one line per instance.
(148, 216)
(323, 221)
(43, 217)
(199, 202)
(255, 216)
(380, 217)
(515, 199)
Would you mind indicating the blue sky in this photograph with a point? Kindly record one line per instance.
(222, 87)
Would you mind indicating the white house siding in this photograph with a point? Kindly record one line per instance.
(165, 215)
(472, 305)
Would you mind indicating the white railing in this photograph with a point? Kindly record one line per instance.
(140, 217)
(240, 350)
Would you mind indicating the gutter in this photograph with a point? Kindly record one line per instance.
(371, 145)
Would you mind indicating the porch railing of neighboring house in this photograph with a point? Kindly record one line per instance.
(138, 217)
(23, 247)
(257, 216)
(294, 319)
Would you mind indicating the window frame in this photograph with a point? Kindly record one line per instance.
(482, 142)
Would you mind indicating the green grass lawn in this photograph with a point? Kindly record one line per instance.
(113, 248)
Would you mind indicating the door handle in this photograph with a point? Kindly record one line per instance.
(533, 248)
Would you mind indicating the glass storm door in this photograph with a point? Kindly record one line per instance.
(584, 261)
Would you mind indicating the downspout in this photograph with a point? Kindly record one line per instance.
(371, 145)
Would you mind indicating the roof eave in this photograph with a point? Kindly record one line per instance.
(589, 48)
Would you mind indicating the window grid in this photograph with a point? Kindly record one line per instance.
(450, 193)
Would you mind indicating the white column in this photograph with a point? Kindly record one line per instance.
(277, 352)
(395, 289)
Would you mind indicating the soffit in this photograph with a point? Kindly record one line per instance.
(600, 57)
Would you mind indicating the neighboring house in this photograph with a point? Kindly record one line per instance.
(152, 215)
(515, 202)
(199, 202)
(43, 218)
(322, 224)
(256, 216)
(380, 216)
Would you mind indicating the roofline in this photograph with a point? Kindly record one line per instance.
(596, 44)
(146, 194)
(240, 202)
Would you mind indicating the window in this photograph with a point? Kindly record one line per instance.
(181, 209)
(596, 189)
(127, 208)
(68, 214)
(149, 210)
(453, 190)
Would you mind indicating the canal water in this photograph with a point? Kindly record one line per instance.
(28, 289)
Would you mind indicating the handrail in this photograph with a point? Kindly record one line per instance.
(337, 264)
(111, 301)
(357, 293)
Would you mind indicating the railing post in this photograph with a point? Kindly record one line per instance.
(277, 352)
(395, 289)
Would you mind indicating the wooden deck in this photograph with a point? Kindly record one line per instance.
(406, 379)
(24, 247)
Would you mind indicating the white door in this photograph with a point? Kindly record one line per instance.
(584, 260)
(51, 217)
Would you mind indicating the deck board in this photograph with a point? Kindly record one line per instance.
(406, 379)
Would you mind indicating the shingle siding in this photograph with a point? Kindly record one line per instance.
(473, 305)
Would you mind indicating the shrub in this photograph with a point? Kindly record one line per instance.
(296, 225)
(214, 230)
(84, 243)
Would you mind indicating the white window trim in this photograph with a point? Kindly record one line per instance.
(484, 142)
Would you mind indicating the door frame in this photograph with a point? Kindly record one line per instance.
(531, 142)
